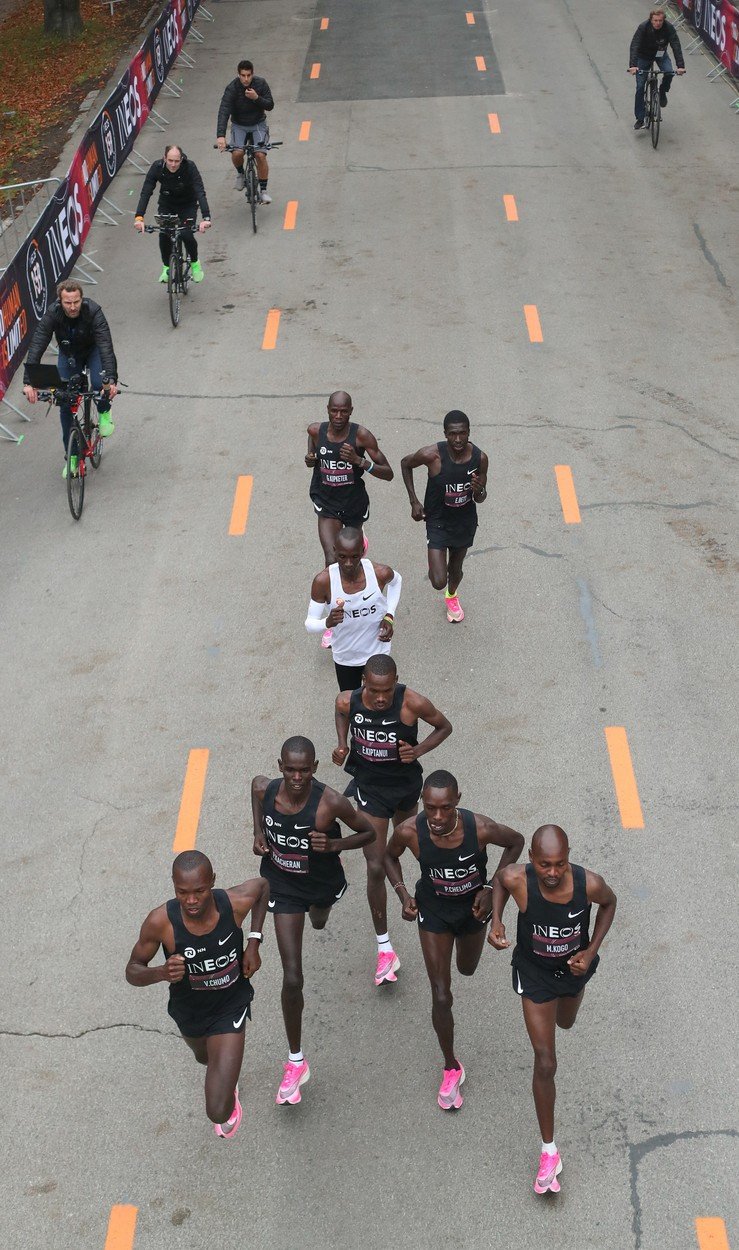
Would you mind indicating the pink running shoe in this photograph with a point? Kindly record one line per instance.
(450, 1090)
(295, 1075)
(453, 609)
(326, 638)
(387, 965)
(233, 1122)
(550, 1167)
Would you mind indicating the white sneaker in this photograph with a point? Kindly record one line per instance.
(239, 182)
(266, 199)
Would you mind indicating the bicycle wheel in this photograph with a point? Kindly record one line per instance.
(252, 191)
(92, 436)
(76, 481)
(174, 283)
(656, 116)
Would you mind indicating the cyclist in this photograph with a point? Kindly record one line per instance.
(246, 101)
(181, 192)
(650, 44)
(84, 339)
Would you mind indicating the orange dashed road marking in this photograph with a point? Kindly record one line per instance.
(269, 342)
(480, 63)
(470, 19)
(567, 496)
(187, 822)
(324, 23)
(623, 778)
(304, 135)
(494, 121)
(315, 69)
(511, 211)
(711, 1233)
(533, 324)
(121, 1228)
(291, 215)
(240, 509)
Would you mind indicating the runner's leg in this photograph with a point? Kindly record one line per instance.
(289, 932)
(469, 949)
(540, 1023)
(437, 567)
(375, 856)
(456, 560)
(225, 1053)
(437, 954)
(328, 531)
(567, 1009)
(318, 916)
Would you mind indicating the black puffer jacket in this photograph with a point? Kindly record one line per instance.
(649, 43)
(179, 188)
(82, 333)
(242, 111)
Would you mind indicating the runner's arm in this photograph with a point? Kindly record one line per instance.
(258, 787)
(480, 480)
(423, 709)
(252, 896)
(379, 466)
(341, 809)
(423, 456)
(504, 884)
(398, 843)
(341, 718)
(317, 608)
(310, 455)
(491, 833)
(138, 971)
(596, 892)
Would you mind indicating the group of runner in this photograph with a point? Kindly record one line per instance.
(299, 822)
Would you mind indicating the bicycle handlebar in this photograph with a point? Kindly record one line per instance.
(262, 147)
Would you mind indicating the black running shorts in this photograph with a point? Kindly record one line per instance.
(291, 905)
(464, 924)
(440, 539)
(542, 986)
(214, 1020)
(384, 802)
(348, 518)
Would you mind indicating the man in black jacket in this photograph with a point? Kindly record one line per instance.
(83, 336)
(650, 44)
(181, 192)
(246, 101)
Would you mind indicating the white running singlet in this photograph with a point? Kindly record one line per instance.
(355, 639)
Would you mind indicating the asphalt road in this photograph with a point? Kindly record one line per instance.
(146, 630)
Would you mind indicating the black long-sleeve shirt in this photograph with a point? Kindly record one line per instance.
(90, 329)
(241, 110)
(180, 188)
(649, 43)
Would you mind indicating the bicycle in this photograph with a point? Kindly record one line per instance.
(652, 106)
(178, 274)
(251, 178)
(84, 442)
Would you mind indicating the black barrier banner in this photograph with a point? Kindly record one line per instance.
(28, 285)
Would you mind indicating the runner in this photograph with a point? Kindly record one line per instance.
(364, 597)
(340, 453)
(208, 972)
(553, 960)
(382, 718)
(296, 830)
(452, 902)
(457, 482)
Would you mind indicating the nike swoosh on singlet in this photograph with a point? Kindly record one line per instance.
(388, 722)
(573, 914)
(302, 826)
(462, 858)
(369, 596)
(223, 943)
(238, 1023)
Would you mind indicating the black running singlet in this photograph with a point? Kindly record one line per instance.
(373, 757)
(292, 867)
(549, 934)
(448, 501)
(450, 879)
(214, 978)
(335, 481)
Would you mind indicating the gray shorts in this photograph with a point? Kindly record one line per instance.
(259, 132)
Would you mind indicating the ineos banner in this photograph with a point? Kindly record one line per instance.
(717, 22)
(27, 286)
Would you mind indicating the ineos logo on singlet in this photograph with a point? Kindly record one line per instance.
(357, 612)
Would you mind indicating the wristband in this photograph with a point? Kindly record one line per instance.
(256, 935)
(388, 617)
(400, 885)
(487, 887)
(368, 466)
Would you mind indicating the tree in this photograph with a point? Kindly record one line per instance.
(63, 17)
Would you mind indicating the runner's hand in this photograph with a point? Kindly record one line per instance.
(497, 937)
(349, 453)
(407, 752)
(174, 969)
(310, 459)
(260, 844)
(30, 393)
(385, 632)
(481, 907)
(410, 908)
(580, 962)
(339, 754)
(335, 617)
(251, 961)
(321, 842)
(417, 511)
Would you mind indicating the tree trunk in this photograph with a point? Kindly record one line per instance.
(63, 17)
